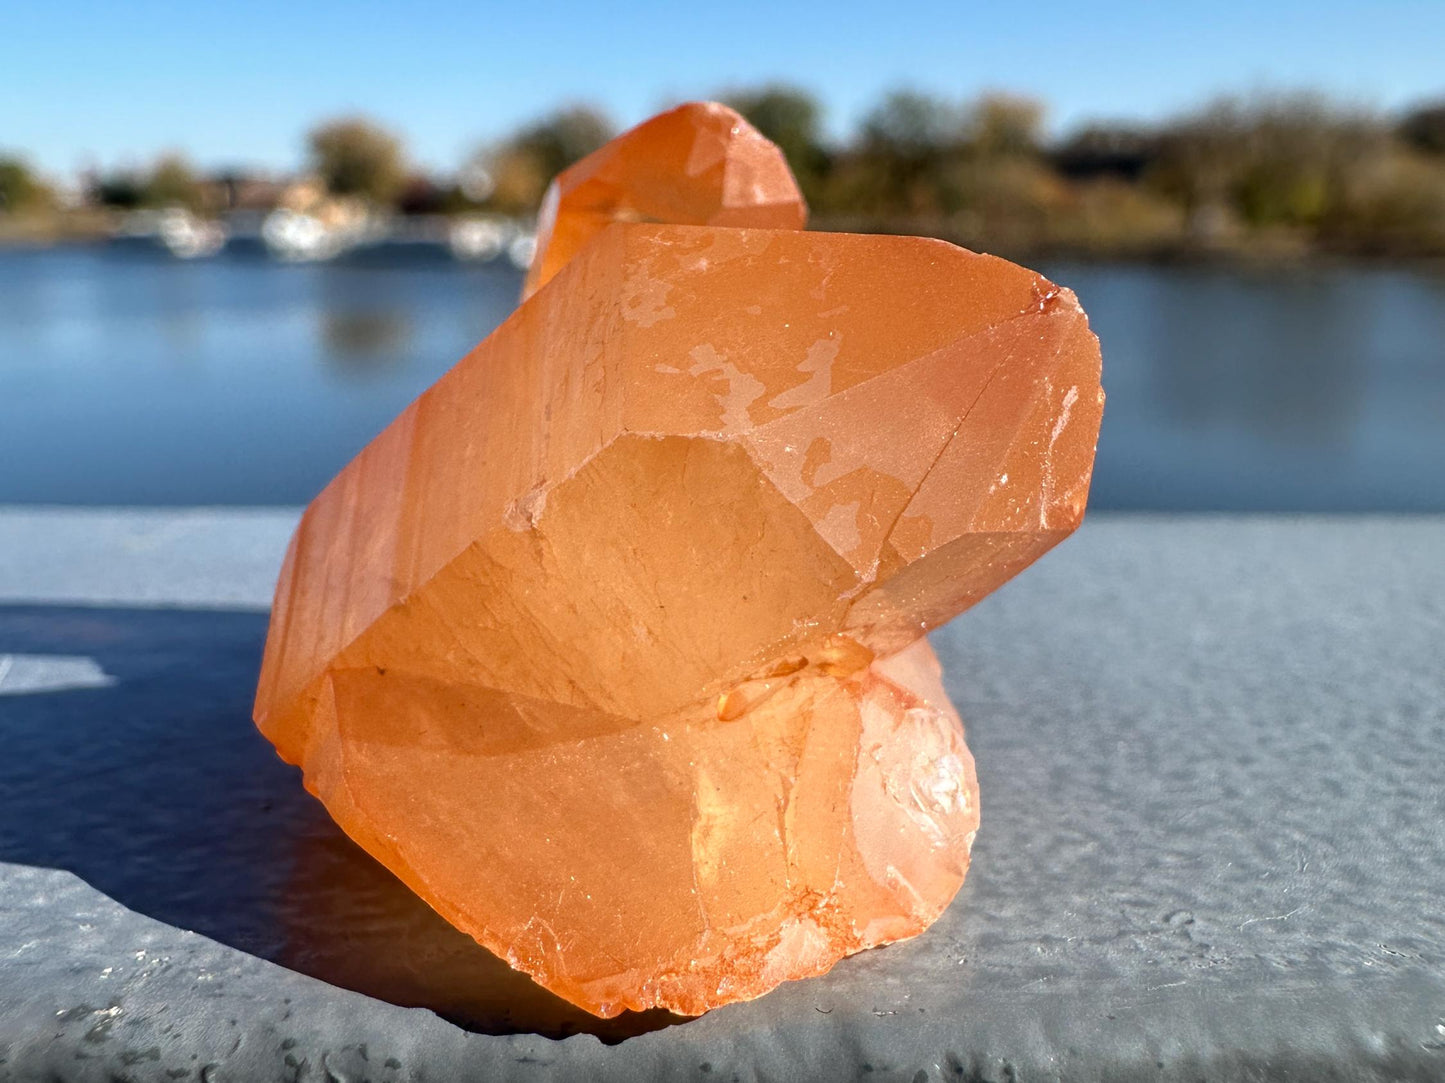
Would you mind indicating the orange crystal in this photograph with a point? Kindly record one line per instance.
(610, 645)
(700, 164)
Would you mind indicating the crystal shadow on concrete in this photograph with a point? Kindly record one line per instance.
(151, 785)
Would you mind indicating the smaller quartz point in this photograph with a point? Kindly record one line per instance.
(700, 164)
(611, 646)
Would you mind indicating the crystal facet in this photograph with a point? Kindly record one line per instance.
(700, 164)
(610, 645)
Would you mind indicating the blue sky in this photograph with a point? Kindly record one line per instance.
(110, 82)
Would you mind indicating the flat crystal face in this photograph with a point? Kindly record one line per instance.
(699, 164)
(610, 645)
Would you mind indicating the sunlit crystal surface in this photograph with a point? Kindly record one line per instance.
(699, 164)
(609, 646)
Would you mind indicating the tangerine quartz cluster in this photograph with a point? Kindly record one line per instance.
(611, 645)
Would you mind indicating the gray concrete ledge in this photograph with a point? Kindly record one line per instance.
(1213, 842)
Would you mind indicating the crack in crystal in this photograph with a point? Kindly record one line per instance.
(908, 502)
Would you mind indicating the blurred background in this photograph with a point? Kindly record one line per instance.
(235, 243)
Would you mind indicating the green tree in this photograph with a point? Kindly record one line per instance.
(355, 157)
(564, 137)
(522, 165)
(172, 182)
(21, 189)
(898, 165)
(1424, 128)
(1391, 205)
(909, 124)
(1283, 161)
(1005, 124)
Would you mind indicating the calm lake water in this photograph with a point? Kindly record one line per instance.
(127, 377)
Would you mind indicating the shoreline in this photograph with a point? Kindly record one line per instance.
(1241, 255)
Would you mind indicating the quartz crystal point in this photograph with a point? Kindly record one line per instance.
(700, 164)
(610, 646)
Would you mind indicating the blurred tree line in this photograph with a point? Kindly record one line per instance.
(1286, 173)
(1279, 174)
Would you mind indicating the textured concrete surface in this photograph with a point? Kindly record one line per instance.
(221, 558)
(1213, 841)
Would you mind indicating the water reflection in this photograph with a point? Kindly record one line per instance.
(1281, 359)
(364, 326)
(1291, 389)
(362, 340)
(127, 377)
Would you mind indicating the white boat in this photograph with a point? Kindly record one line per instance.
(188, 237)
(478, 239)
(521, 250)
(300, 238)
(296, 237)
